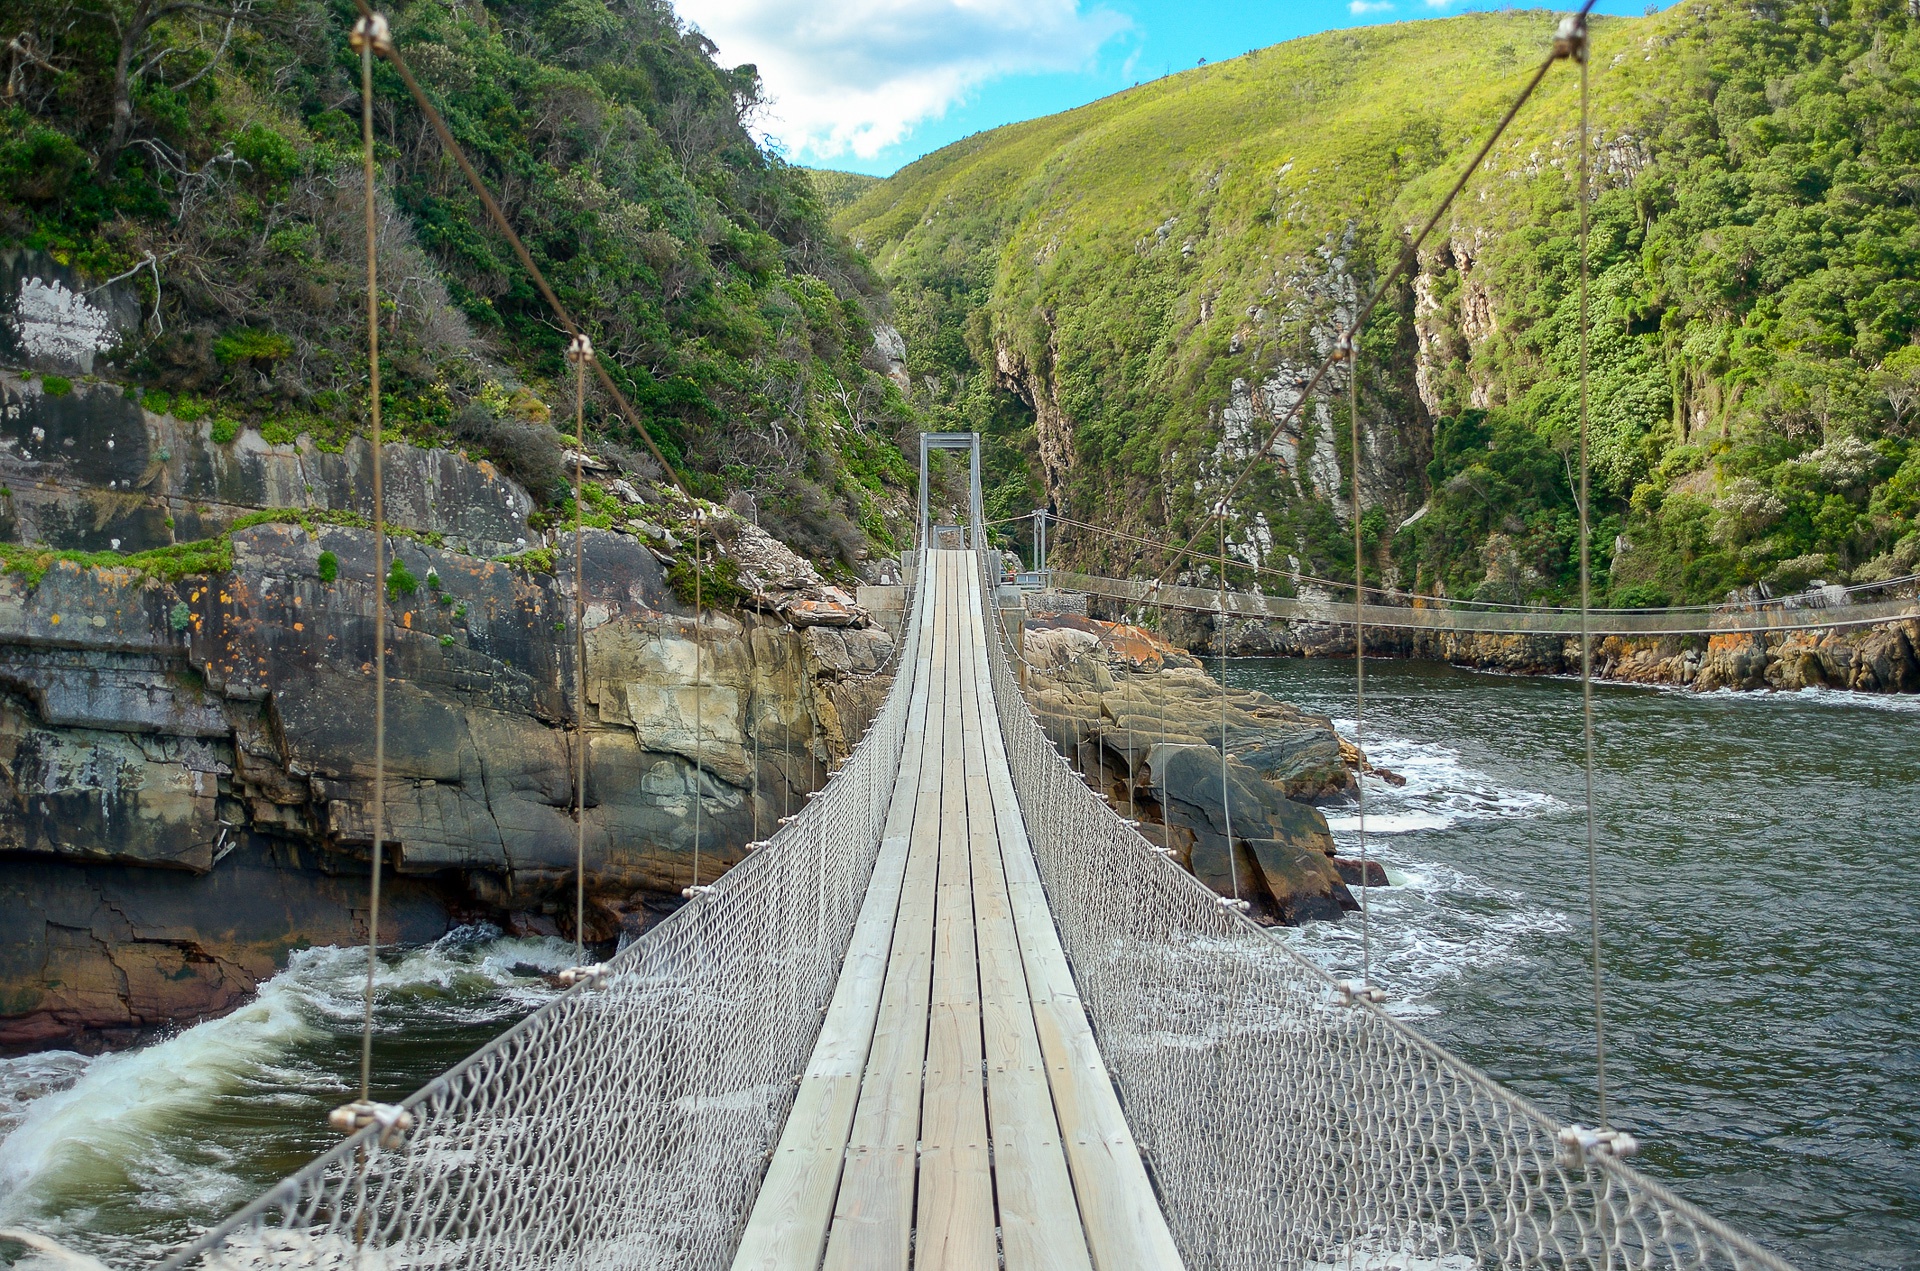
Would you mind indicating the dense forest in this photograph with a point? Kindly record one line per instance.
(1124, 296)
(209, 154)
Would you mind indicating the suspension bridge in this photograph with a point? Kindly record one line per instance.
(958, 1013)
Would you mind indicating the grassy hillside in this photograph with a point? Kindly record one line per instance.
(704, 267)
(839, 190)
(1123, 296)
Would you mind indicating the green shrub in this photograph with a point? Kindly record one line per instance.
(38, 164)
(189, 409)
(280, 432)
(224, 430)
(271, 157)
(719, 583)
(1641, 596)
(157, 402)
(56, 385)
(179, 617)
(445, 640)
(250, 346)
(399, 581)
(329, 567)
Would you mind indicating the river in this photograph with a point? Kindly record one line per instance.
(1762, 920)
(1760, 906)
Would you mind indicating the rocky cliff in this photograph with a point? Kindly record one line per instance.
(186, 706)
(1146, 726)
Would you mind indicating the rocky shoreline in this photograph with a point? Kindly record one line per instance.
(1882, 658)
(1143, 723)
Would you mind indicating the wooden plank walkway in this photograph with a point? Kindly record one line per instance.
(956, 1113)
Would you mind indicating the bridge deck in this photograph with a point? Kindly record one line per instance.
(956, 1110)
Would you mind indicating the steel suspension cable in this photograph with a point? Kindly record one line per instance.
(1578, 48)
(370, 35)
(579, 352)
(699, 735)
(499, 219)
(1226, 804)
(1359, 662)
(1409, 256)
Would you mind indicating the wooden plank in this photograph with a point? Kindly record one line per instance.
(954, 1224)
(1040, 1226)
(787, 1229)
(873, 1211)
(1118, 1209)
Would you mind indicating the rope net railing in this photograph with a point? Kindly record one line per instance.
(627, 1122)
(1431, 615)
(1288, 1124)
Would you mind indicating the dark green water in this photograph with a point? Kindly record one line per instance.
(1761, 911)
(1762, 919)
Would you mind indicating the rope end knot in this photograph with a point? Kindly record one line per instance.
(592, 975)
(1353, 991)
(1571, 39)
(394, 1121)
(374, 29)
(1579, 1145)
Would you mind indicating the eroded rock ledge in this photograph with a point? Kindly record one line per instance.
(1143, 722)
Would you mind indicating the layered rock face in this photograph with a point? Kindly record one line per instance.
(186, 763)
(1144, 724)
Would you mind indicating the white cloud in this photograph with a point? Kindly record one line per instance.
(1359, 7)
(855, 76)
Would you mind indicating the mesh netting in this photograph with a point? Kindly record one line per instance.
(1815, 612)
(620, 1126)
(628, 1125)
(1284, 1129)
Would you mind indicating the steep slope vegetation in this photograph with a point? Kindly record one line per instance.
(209, 157)
(1126, 296)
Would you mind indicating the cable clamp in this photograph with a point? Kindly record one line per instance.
(592, 974)
(788, 820)
(1163, 851)
(694, 893)
(756, 844)
(376, 29)
(1579, 1145)
(1353, 991)
(580, 349)
(814, 794)
(394, 1121)
(1131, 825)
(1571, 39)
(1228, 902)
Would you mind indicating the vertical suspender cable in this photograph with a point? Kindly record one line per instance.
(1359, 653)
(699, 737)
(579, 352)
(1226, 805)
(367, 33)
(1578, 48)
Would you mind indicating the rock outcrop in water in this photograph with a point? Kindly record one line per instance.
(186, 758)
(1144, 724)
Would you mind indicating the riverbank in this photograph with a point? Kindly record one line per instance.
(1881, 658)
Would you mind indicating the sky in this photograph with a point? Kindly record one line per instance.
(871, 85)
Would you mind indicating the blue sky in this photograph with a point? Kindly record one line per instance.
(871, 85)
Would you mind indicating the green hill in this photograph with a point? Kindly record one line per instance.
(703, 266)
(839, 190)
(1123, 295)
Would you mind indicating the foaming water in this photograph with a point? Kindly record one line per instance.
(1760, 909)
(125, 1155)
